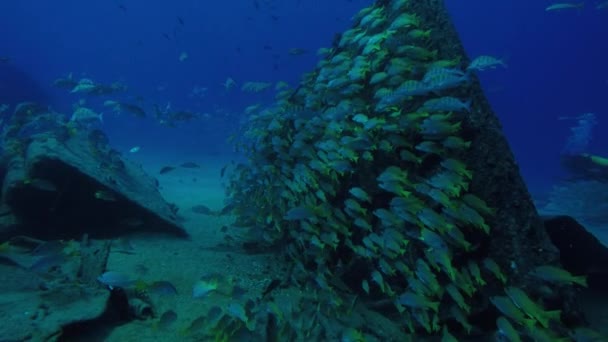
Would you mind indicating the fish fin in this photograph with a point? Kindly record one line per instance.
(581, 280)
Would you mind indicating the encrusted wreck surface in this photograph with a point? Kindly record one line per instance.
(64, 181)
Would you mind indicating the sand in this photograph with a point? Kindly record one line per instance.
(184, 261)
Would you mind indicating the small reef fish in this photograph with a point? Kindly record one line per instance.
(105, 195)
(485, 62)
(162, 287)
(297, 51)
(203, 287)
(166, 169)
(134, 149)
(115, 280)
(166, 319)
(183, 56)
(229, 83)
(86, 115)
(565, 6)
(202, 209)
(190, 165)
(558, 275)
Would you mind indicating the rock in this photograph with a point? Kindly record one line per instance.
(61, 184)
(36, 306)
(581, 253)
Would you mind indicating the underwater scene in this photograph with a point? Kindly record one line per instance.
(303, 170)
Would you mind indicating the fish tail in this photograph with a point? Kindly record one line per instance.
(554, 315)
(581, 280)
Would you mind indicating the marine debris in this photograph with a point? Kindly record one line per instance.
(61, 179)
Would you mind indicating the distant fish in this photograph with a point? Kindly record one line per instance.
(163, 288)
(134, 149)
(123, 245)
(297, 51)
(180, 21)
(4, 59)
(49, 248)
(132, 221)
(299, 213)
(190, 165)
(105, 195)
(565, 6)
(167, 319)
(203, 287)
(166, 169)
(229, 83)
(48, 262)
(122, 8)
(166, 35)
(85, 115)
(115, 279)
(41, 184)
(602, 5)
(183, 56)
(201, 209)
(131, 108)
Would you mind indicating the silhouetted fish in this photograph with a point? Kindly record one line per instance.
(167, 319)
(190, 165)
(166, 169)
(163, 288)
(201, 209)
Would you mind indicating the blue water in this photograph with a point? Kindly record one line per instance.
(556, 64)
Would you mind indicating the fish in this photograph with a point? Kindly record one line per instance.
(558, 275)
(509, 309)
(507, 330)
(297, 51)
(4, 59)
(48, 262)
(166, 169)
(180, 21)
(565, 6)
(417, 301)
(134, 149)
(162, 287)
(183, 56)
(203, 287)
(114, 279)
(202, 209)
(123, 245)
(49, 248)
(484, 62)
(105, 195)
(527, 305)
(166, 319)
(299, 213)
(41, 184)
(602, 5)
(133, 109)
(190, 165)
(86, 115)
(229, 83)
